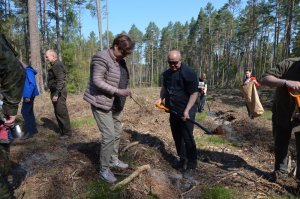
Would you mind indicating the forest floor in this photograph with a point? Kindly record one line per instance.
(236, 164)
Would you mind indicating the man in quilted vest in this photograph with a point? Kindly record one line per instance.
(106, 92)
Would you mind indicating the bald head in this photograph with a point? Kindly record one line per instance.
(174, 55)
(51, 56)
(174, 59)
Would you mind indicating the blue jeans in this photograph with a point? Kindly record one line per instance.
(29, 118)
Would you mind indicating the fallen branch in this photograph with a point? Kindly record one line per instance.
(191, 189)
(130, 178)
(129, 145)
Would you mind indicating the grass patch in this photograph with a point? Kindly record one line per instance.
(217, 140)
(83, 122)
(267, 115)
(218, 192)
(201, 116)
(200, 142)
(209, 98)
(210, 139)
(101, 190)
(152, 196)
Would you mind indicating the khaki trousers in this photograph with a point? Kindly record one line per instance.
(109, 124)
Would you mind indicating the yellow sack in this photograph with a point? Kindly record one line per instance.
(252, 99)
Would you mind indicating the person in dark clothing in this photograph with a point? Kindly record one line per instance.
(12, 78)
(285, 119)
(30, 91)
(180, 91)
(57, 75)
(202, 89)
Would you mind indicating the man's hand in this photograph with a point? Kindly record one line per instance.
(158, 102)
(295, 85)
(185, 115)
(27, 99)
(54, 98)
(9, 121)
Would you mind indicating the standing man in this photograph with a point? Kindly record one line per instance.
(106, 92)
(57, 75)
(180, 91)
(30, 91)
(285, 76)
(12, 78)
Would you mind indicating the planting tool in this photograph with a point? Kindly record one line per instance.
(142, 107)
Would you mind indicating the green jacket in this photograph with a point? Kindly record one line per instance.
(57, 77)
(12, 78)
(284, 106)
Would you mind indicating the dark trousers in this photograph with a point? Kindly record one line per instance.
(29, 118)
(62, 114)
(282, 136)
(184, 140)
(201, 102)
(5, 191)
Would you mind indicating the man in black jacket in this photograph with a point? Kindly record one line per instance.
(57, 75)
(180, 91)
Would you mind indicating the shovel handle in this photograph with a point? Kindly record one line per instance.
(161, 106)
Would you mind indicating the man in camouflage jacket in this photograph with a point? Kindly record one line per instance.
(285, 76)
(12, 79)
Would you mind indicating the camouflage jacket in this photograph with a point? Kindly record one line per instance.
(12, 78)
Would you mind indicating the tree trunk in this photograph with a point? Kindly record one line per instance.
(99, 14)
(34, 42)
(276, 33)
(57, 30)
(107, 33)
(287, 40)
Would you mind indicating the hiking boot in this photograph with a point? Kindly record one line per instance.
(65, 137)
(189, 173)
(108, 176)
(278, 175)
(26, 136)
(118, 164)
(182, 164)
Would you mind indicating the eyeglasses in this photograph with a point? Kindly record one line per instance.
(125, 52)
(173, 62)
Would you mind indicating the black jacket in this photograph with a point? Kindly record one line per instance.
(57, 76)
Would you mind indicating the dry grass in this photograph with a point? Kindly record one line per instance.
(65, 168)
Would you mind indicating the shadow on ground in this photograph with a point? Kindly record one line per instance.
(50, 124)
(90, 150)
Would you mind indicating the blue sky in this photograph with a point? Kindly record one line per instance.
(123, 14)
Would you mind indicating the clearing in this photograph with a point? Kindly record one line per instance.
(236, 163)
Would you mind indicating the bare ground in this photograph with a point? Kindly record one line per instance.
(48, 167)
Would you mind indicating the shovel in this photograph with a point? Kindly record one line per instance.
(161, 106)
